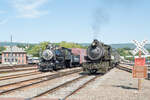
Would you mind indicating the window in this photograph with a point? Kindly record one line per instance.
(5, 60)
(10, 54)
(16, 60)
(22, 61)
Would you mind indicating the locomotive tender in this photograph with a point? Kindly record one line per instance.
(100, 58)
(54, 58)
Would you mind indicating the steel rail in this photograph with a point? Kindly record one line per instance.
(19, 75)
(48, 77)
(17, 70)
(79, 88)
(57, 87)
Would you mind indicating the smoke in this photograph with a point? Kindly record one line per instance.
(100, 17)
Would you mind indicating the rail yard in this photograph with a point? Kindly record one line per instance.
(74, 50)
(73, 84)
(95, 73)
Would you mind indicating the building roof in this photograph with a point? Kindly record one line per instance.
(14, 49)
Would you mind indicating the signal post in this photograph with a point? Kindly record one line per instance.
(139, 70)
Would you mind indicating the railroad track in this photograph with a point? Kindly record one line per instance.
(17, 70)
(19, 75)
(130, 70)
(64, 85)
(11, 87)
(127, 69)
(15, 66)
(124, 68)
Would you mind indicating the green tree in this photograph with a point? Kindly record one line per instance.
(36, 49)
(2, 49)
(21, 45)
(70, 45)
(124, 51)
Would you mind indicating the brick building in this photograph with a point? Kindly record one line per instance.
(14, 56)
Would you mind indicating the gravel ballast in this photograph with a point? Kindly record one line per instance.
(35, 90)
(115, 85)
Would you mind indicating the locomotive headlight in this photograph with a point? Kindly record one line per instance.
(47, 54)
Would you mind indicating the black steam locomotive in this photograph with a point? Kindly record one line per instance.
(54, 58)
(99, 58)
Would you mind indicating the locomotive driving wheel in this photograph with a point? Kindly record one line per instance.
(93, 71)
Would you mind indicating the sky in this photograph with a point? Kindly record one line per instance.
(80, 21)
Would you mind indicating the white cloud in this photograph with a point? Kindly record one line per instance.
(3, 21)
(29, 8)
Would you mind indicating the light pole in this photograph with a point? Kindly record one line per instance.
(11, 55)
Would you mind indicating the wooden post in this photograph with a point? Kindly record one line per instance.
(140, 53)
(139, 84)
(139, 80)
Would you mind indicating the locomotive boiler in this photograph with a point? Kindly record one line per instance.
(98, 58)
(54, 58)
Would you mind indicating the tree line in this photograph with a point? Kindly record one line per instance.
(34, 49)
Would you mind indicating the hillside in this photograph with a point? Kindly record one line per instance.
(128, 45)
(13, 44)
(122, 45)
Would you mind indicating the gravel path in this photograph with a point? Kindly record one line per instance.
(37, 89)
(115, 85)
